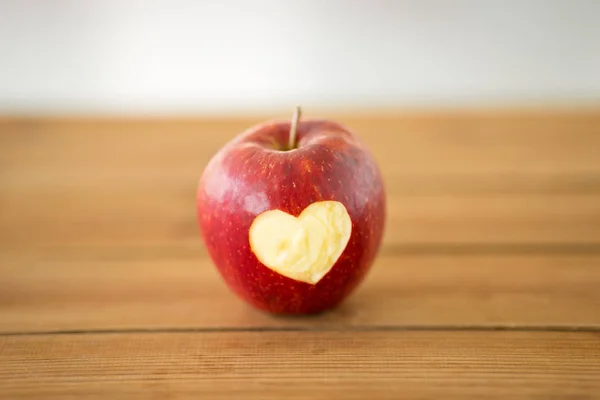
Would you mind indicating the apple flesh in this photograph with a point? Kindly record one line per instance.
(292, 230)
(303, 248)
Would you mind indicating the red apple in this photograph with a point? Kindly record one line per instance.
(292, 214)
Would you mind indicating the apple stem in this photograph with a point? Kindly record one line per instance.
(294, 128)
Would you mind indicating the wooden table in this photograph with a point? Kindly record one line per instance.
(487, 284)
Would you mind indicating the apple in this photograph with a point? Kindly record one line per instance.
(292, 214)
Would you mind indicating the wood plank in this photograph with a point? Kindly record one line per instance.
(316, 365)
(473, 178)
(156, 215)
(99, 289)
(133, 216)
(447, 144)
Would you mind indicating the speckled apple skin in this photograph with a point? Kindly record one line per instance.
(250, 175)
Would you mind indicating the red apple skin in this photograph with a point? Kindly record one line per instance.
(251, 174)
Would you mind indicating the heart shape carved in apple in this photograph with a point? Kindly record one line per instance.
(303, 248)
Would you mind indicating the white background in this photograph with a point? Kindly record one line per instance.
(85, 56)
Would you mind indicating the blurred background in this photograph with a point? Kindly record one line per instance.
(234, 56)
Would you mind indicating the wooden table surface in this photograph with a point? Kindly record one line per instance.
(487, 284)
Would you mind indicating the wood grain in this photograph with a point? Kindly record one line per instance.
(143, 288)
(483, 178)
(315, 365)
(486, 286)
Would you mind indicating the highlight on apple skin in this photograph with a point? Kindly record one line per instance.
(292, 214)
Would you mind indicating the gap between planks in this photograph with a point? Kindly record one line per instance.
(299, 329)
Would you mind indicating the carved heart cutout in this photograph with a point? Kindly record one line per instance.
(303, 248)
